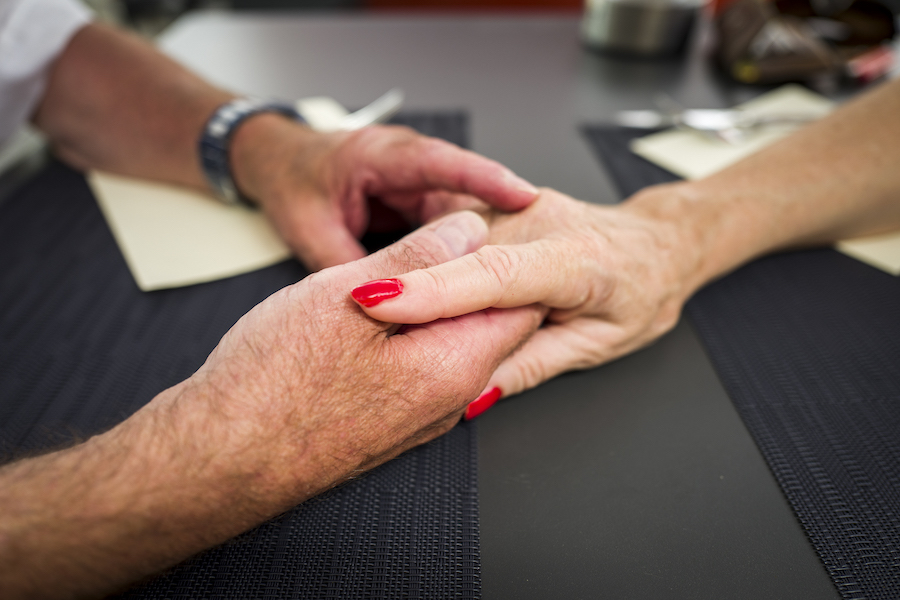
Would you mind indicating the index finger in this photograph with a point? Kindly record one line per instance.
(493, 276)
(420, 163)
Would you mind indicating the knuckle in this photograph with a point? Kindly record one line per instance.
(390, 134)
(530, 372)
(438, 285)
(500, 263)
(418, 252)
(402, 132)
(432, 146)
(438, 162)
(590, 354)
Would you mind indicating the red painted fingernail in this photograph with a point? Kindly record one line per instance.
(374, 292)
(482, 403)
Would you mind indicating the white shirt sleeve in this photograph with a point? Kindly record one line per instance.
(32, 34)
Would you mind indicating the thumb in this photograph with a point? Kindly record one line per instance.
(551, 351)
(445, 239)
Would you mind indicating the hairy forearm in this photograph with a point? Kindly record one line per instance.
(88, 520)
(835, 179)
(114, 102)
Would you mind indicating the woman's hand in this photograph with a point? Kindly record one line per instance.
(611, 279)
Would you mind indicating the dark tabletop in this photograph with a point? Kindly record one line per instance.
(633, 480)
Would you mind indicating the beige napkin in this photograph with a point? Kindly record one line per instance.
(173, 237)
(693, 156)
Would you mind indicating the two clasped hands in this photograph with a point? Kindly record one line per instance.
(504, 287)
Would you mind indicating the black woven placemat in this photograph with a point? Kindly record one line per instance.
(807, 344)
(81, 348)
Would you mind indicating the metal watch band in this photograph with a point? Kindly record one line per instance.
(215, 143)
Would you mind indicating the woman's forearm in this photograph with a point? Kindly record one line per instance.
(834, 179)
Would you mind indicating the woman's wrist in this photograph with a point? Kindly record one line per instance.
(680, 216)
(715, 231)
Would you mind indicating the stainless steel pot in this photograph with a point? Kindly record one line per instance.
(639, 27)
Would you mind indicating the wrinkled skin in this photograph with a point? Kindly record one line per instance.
(309, 362)
(323, 191)
(303, 393)
(610, 279)
(114, 103)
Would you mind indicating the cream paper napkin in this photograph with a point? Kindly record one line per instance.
(173, 237)
(693, 156)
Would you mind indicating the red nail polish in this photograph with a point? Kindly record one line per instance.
(482, 403)
(374, 292)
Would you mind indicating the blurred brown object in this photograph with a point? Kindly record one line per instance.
(476, 4)
(804, 40)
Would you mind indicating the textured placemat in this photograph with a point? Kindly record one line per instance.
(807, 344)
(81, 348)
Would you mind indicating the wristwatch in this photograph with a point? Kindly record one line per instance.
(214, 146)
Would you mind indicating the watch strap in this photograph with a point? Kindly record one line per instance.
(215, 143)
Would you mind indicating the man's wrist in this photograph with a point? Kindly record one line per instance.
(265, 149)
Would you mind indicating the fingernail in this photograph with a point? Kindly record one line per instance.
(482, 403)
(520, 184)
(375, 292)
(463, 232)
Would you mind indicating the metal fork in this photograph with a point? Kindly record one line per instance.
(728, 125)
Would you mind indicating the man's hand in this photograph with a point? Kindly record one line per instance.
(322, 392)
(113, 102)
(304, 392)
(612, 280)
(318, 188)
